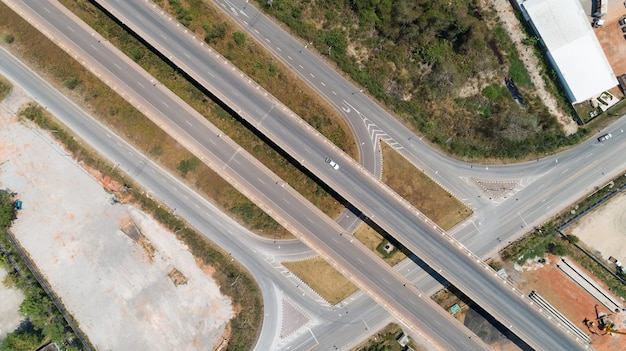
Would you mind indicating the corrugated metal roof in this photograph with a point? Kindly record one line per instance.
(573, 47)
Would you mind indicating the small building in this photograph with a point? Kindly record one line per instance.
(403, 340)
(572, 47)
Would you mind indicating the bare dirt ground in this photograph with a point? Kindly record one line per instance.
(512, 26)
(110, 264)
(604, 230)
(568, 298)
(612, 38)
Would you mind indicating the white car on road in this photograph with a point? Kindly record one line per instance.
(605, 137)
(332, 163)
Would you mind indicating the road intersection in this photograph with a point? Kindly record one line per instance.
(541, 169)
(215, 149)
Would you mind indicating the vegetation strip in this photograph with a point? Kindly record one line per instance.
(320, 276)
(549, 239)
(49, 320)
(440, 66)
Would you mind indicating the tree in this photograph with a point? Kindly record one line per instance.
(20, 342)
(7, 209)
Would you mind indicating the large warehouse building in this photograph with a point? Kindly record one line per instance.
(573, 48)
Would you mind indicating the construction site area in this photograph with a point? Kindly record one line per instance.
(126, 269)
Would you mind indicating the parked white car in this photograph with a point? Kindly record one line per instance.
(605, 137)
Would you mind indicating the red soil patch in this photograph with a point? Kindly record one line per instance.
(108, 184)
(573, 302)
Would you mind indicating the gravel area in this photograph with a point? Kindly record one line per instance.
(604, 230)
(118, 284)
(10, 302)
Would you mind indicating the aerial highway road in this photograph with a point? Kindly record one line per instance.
(245, 172)
(342, 168)
(221, 229)
(543, 188)
(378, 203)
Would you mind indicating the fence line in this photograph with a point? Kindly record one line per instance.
(48, 289)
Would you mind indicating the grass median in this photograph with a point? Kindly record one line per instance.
(414, 186)
(422, 192)
(323, 278)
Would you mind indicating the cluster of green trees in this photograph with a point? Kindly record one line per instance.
(44, 322)
(421, 57)
(7, 209)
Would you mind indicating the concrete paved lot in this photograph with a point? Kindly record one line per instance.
(118, 290)
(10, 300)
(604, 229)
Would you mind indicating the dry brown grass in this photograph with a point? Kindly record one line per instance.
(370, 238)
(177, 277)
(5, 87)
(322, 278)
(421, 191)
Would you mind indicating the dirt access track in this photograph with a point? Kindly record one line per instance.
(129, 283)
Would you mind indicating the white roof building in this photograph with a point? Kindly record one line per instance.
(573, 48)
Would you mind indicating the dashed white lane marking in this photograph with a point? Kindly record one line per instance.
(311, 74)
(256, 31)
(279, 49)
(289, 57)
(301, 66)
(189, 123)
(267, 40)
(334, 92)
(322, 83)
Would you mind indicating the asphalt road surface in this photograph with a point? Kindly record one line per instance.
(253, 179)
(246, 247)
(565, 172)
(457, 264)
(545, 186)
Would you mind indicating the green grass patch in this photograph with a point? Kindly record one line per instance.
(323, 278)
(71, 83)
(423, 61)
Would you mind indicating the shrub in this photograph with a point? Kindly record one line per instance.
(214, 33)
(72, 83)
(186, 166)
(240, 38)
(8, 38)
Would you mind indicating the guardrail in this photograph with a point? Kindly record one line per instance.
(582, 214)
